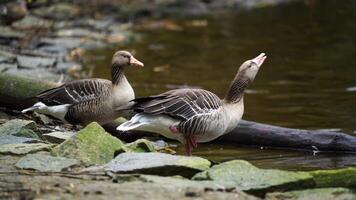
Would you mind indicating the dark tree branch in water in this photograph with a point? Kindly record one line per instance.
(253, 133)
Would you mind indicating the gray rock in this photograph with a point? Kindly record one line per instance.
(45, 163)
(24, 148)
(155, 163)
(58, 137)
(322, 194)
(243, 175)
(58, 11)
(30, 22)
(9, 33)
(36, 73)
(20, 128)
(10, 139)
(34, 62)
(65, 42)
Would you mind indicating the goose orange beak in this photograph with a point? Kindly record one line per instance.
(135, 62)
(259, 59)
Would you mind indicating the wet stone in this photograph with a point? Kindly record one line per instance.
(10, 139)
(45, 163)
(30, 22)
(322, 194)
(155, 163)
(24, 148)
(34, 62)
(139, 146)
(9, 33)
(243, 175)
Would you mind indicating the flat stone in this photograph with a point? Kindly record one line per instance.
(243, 175)
(24, 148)
(63, 42)
(45, 163)
(34, 62)
(58, 11)
(58, 137)
(155, 163)
(315, 194)
(91, 145)
(9, 33)
(30, 22)
(80, 32)
(35, 73)
(10, 139)
(20, 128)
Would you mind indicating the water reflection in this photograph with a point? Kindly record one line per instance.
(303, 84)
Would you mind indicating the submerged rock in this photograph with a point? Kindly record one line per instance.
(45, 163)
(243, 175)
(323, 193)
(155, 163)
(20, 128)
(24, 148)
(91, 145)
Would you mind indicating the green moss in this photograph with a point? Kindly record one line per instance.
(335, 178)
(91, 145)
(139, 146)
(242, 174)
(323, 193)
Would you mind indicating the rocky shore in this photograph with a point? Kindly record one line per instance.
(42, 159)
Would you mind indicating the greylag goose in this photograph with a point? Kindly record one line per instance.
(193, 116)
(87, 100)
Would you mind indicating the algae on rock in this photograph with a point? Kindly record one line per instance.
(139, 146)
(335, 178)
(91, 145)
(20, 128)
(245, 176)
(315, 194)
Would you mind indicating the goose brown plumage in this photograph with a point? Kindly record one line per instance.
(12, 11)
(88, 100)
(193, 115)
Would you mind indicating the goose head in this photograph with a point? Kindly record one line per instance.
(124, 58)
(249, 68)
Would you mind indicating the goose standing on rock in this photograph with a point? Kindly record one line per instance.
(87, 100)
(193, 116)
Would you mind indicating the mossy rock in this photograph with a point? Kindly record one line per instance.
(20, 128)
(315, 194)
(139, 146)
(335, 178)
(244, 176)
(91, 145)
(155, 163)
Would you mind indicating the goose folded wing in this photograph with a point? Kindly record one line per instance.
(74, 92)
(181, 103)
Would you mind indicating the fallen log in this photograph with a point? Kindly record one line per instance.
(15, 92)
(252, 133)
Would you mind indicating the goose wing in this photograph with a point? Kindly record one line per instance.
(181, 103)
(75, 92)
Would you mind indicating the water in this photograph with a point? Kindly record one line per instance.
(308, 80)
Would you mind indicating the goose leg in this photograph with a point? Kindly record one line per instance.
(190, 143)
